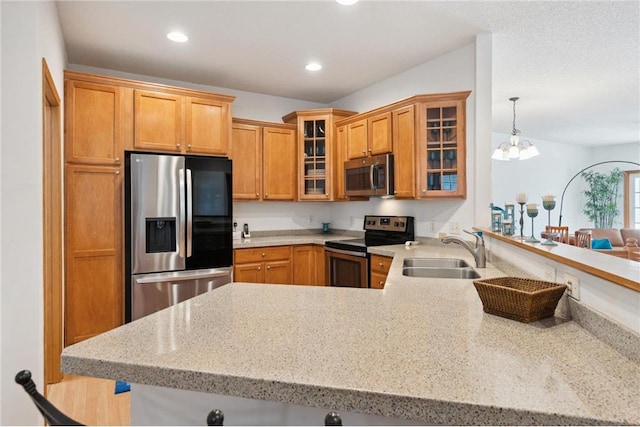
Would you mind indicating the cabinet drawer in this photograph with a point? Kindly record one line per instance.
(262, 254)
(380, 264)
(378, 280)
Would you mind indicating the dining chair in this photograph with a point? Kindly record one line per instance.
(559, 233)
(633, 253)
(583, 239)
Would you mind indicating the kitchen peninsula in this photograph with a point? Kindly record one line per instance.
(420, 350)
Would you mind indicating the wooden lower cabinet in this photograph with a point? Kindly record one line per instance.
(297, 265)
(308, 265)
(379, 270)
(263, 265)
(93, 251)
(318, 251)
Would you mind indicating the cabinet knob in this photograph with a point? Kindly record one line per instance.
(117, 172)
(268, 267)
(257, 194)
(259, 268)
(266, 194)
(381, 264)
(117, 159)
(364, 151)
(263, 254)
(189, 146)
(370, 150)
(178, 145)
(424, 190)
(380, 283)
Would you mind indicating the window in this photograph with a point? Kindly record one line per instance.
(632, 199)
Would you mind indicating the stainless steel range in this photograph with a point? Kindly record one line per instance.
(347, 261)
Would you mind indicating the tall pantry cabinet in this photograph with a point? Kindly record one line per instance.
(94, 141)
(105, 116)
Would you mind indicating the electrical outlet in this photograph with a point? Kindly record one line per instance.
(454, 227)
(549, 273)
(573, 286)
(432, 226)
(310, 219)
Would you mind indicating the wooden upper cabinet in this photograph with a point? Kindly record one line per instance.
(264, 160)
(357, 139)
(158, 121)
(207, 126)
(403, 136)
(279, 164)
(246, 153)
(171, 122)
(442, 154)
(340, 157)
(316, 160)
(379, 134)
(93, 123)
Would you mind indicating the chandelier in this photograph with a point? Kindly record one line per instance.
(515, 148)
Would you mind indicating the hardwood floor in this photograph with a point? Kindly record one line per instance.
(90, 401)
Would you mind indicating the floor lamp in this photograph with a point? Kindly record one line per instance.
(576, 175)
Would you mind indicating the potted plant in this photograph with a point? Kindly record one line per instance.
(602, 197)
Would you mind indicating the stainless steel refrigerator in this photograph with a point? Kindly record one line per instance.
(178, 229)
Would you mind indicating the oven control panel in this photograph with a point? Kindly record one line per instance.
(397, 224)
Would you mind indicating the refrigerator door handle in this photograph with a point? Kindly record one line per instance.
(182, 212)
(201, 274)
(190, 213)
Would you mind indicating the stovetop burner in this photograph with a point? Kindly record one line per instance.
(379, 231)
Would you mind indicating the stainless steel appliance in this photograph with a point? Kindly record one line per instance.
(370, 176)
(347, 261)
(178, 229)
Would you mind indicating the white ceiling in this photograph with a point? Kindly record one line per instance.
(574, 64)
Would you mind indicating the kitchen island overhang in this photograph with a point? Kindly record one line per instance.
(421, 349)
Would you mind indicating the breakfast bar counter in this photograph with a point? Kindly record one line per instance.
(420, 350)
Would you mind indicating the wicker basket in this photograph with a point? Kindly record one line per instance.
(525, 300)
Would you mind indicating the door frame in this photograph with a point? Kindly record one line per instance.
(52, 226)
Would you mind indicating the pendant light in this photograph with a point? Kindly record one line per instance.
(515, 148)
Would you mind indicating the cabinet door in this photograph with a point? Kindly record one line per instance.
(340, 158)
(246, 153)
(158, 121)
(442, 149)
(404, 157)
(207, 126)
(320, 265)
(379, 134)
(93, 239)
(304, 265)
(315, 152)
(357, 139)
(378, 280)
(93, 123)
(249, 272)
(278, 272)
(279, 163)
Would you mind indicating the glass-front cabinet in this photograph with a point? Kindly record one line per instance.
(317, 163)
(442, 147)
(314, 158)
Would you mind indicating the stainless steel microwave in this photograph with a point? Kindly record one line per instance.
(370, 176)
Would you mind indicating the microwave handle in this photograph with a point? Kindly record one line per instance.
(372, 186)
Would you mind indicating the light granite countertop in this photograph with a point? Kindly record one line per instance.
(421, 349)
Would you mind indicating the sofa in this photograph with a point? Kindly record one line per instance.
(619, 239)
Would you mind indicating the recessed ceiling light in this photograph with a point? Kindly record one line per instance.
(313, 66)
(177, 37)
(346, 2)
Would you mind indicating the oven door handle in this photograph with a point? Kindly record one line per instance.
(345, 252)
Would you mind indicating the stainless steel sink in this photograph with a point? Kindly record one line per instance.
(435, 262)
(439, 272)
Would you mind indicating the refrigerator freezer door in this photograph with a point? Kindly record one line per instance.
(157, 213)
(157, 291)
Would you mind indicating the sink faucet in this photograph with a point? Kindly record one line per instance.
(477, 251)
